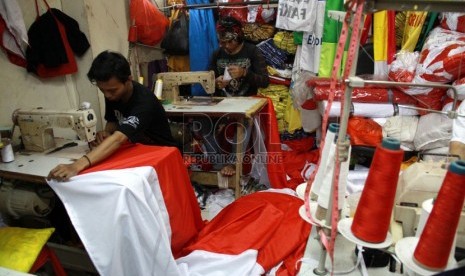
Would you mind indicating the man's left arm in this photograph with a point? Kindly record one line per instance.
(108, 146)
(457, 148)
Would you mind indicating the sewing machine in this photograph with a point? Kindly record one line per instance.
(419, 182)
(36, 126)
(172, 81)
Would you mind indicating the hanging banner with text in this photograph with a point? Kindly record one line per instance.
(296, 15)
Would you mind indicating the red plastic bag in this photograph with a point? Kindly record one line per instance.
(240, 13)
(151, 24)
(364, 132)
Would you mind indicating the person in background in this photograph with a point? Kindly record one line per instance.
(457, 143)
(133, 113)
(239, 66)
(240, 69)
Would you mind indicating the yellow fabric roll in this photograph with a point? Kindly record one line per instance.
(292, 116)
(413, 25)
(20, 247)
(380, 35)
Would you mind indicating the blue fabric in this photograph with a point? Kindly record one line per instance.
(203, 41)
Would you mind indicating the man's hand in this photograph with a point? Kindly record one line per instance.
(220, 83)
(101, 135)
(63, 172)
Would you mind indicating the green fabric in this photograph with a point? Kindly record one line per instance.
(430, 20)
(327, 54)
(331, 31)
(298, 37)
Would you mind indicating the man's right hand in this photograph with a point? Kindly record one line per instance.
(220, 83)
(101, 135)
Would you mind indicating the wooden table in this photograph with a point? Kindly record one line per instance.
(35, 166)
(239, 108)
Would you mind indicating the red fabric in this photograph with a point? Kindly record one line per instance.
(310, 104)
(275, 166)
(454, 22)
(366, 29)
(391, 47)
(150, 23)
(266, 221)
(294, 162)
(366, 95)
(180, 200)
(237, 12)
(47, 255)
(432, 100)
(364, 132)
(301, 145)
(278, 80)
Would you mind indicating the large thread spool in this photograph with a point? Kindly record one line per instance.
(333, 128)
(435, 243)
(373, 214)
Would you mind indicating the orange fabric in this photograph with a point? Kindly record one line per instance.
(178, 63)
(364, 132)
(180, 200)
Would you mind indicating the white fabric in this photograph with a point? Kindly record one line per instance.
(370, 110)
(203, 263)
(452, 20)
(296, 15)
(16, 38)
(311, 42)
(458, 125)
(460, 89)
(121, 218)
(356, 179)
(327, 156)
(433, 131)
(326, 186)
(402, 128)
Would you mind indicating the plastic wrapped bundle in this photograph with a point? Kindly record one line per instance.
(273, 56)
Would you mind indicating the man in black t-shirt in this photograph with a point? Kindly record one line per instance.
(132, 113)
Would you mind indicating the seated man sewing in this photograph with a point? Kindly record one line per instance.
(457, 143)
(132, 111)
(240, 69)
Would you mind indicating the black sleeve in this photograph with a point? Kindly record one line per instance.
(257, 74)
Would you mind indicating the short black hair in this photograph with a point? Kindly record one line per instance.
(107, 65)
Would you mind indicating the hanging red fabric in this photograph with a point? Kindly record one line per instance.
(148, 23)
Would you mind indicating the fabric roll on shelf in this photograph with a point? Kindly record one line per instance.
(327, 156)
(369, 110)
(327, 184)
